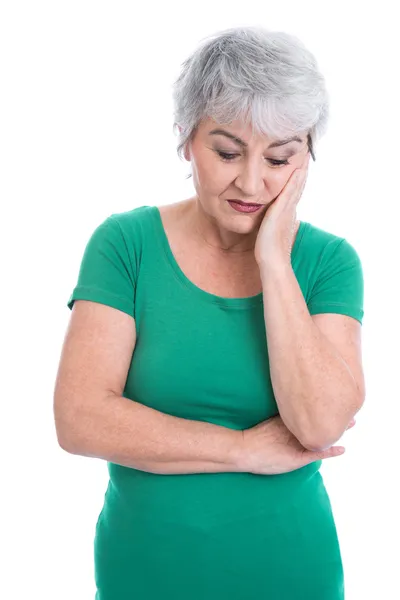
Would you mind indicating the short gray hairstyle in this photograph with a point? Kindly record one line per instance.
(265, 78)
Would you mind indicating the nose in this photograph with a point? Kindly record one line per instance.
(250, 179)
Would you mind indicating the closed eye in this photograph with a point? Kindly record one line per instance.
(228, 157)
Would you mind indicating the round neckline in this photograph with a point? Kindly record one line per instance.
(242, 302)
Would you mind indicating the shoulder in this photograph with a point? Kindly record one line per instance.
(120, 236)
(131, 217)
(328, 246)
(130, 225)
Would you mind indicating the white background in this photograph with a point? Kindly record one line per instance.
(86, 131)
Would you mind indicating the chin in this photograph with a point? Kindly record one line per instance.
(242, 223)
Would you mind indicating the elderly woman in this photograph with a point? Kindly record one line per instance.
(213, 356)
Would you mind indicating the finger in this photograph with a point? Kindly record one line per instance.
(333, 451)
(301, 184)
(296, 182)
(294, 187)
(323, 454)
(305, 167)
(300, 177)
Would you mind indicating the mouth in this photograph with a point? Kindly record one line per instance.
(244, 207)
(243, 203)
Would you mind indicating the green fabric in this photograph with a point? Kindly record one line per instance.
(210, 536)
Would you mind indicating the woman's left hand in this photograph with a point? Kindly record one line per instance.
(276, 234)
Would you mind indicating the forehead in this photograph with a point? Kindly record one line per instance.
(244, 132)
(238, 127)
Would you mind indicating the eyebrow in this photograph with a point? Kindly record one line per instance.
(245, 145)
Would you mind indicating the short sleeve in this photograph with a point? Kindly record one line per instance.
(339, 286)
(106, 273)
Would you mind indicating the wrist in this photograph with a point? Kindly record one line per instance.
(272, 268)
(236, 454)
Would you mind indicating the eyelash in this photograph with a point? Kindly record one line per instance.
(228, 157)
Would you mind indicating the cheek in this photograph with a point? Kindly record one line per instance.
(213, 177)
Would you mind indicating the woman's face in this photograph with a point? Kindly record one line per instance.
(253, 169)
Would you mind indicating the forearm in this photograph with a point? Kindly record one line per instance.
(315, 391)
(131, 434)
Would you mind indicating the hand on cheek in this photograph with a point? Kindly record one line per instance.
(280, 184)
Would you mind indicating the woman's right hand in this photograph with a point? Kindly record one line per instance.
(269, 448)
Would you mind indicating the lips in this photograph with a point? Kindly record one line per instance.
(243, 203)
(243, 207)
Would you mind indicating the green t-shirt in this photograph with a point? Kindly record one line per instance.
(204, 357)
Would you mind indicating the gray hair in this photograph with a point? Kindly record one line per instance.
(266, 78)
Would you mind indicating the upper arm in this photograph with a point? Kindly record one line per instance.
(95, 359)
(344, 333)
(339, 285)
(101, 335)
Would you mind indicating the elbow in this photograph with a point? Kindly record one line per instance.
(322, 439)
(319, 438)
(313, 437)
(66, 445)
(66, 434)
(320, 443)
(65, 442)
(316, 445)
(72, 434)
